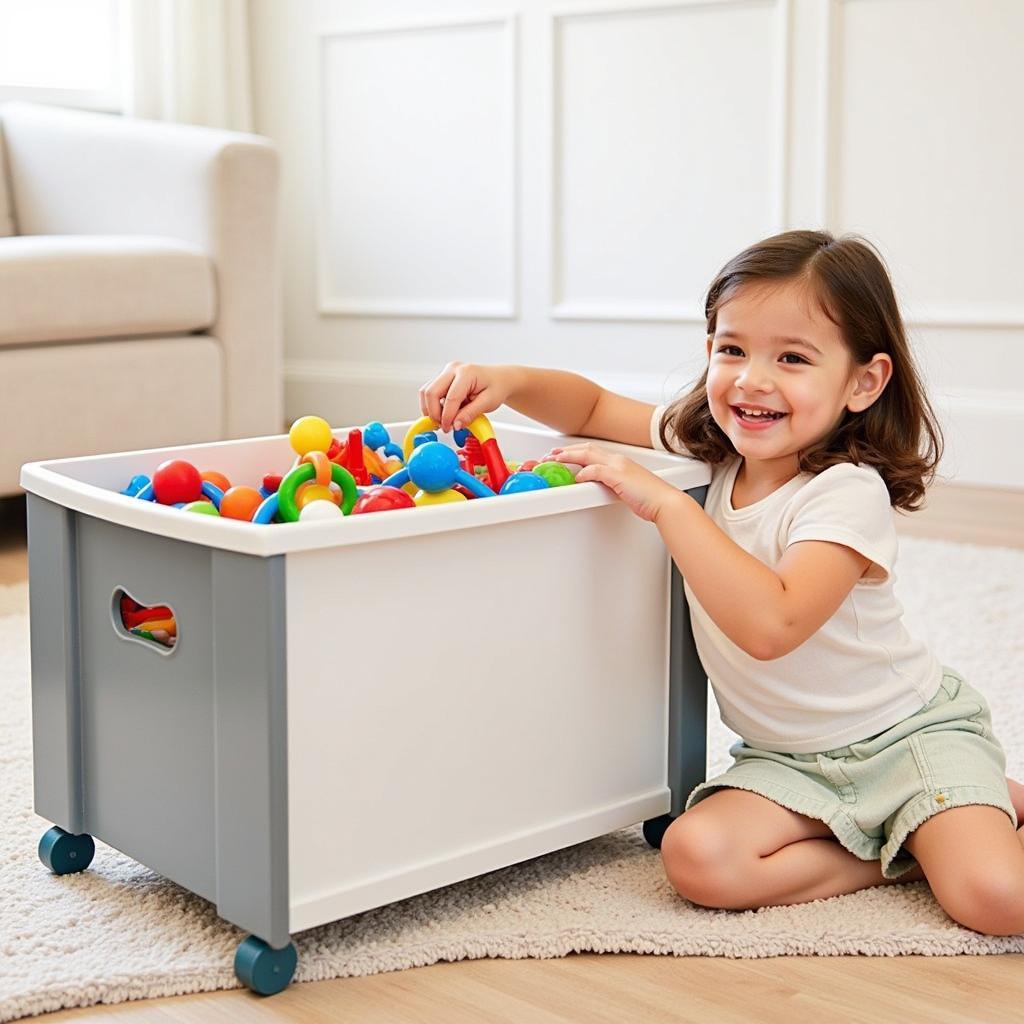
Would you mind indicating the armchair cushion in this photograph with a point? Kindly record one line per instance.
(63, 287)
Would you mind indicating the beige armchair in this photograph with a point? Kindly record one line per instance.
(139, 291)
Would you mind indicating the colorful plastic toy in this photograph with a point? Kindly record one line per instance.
(203, 507)
(211, 476)
(555, 473)
(176, 480)
(310, 433)
(267, 511)
(382, 498)
(286, 507)
(136, 485)
(240, 502)
(376, 437)
(481, 429)
(315, 492)
(330, 475)
(519, 483)
(434, 468)
(319, 509)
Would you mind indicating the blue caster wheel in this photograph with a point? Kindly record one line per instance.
(264, 969)
(655, 828)
(63, 853)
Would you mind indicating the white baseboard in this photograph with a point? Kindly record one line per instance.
(981, 427)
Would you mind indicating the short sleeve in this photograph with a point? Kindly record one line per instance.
(849, 505)
(656, 432)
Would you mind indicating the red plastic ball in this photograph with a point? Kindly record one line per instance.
(272, 481)
(382, 499)
(177, 480)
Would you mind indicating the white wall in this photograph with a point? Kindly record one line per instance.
(557, 184)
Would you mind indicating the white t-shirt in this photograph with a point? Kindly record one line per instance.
(861, 672)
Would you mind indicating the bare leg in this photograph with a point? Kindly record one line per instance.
(815, 869)
(1016, 798)
(740, 851)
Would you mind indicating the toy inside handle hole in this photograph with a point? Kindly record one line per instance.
(152, 624)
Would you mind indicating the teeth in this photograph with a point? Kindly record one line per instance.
(758, 414)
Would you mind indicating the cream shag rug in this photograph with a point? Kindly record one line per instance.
(120, 932)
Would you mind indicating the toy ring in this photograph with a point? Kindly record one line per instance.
(481, 429)
(322, 465)
(286, 507)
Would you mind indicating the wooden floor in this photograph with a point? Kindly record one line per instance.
(596, 989)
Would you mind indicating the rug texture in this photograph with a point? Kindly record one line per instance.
(119, 932)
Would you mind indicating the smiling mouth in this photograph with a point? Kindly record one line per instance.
(749, 416)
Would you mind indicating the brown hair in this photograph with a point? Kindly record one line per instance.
(898, 433)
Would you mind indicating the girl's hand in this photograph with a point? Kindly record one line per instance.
(463, 391)
(645, 493)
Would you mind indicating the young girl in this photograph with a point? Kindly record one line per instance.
(863, 760)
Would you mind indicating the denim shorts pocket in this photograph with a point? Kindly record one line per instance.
(832, 770)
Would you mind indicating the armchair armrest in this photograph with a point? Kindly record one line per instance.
(73, 173)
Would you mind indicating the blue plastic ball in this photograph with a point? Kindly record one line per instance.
(433, 466)
(461, 436)
(518, 483)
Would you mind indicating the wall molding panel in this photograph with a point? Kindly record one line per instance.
(668, 307)
(378, 222)
(835, 88)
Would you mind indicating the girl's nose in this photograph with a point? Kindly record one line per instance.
(754, 378)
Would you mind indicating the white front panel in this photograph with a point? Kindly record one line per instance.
(418, 130)
(459, 703)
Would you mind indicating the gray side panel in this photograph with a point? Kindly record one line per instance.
(56, 699)
(147, 717)
(688, 697)
(251, 744)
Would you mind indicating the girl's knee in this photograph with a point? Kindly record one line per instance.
(699, 856)
(990, 901)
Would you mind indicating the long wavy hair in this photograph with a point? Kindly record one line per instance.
(898, 433)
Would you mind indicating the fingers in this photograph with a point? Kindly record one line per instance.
(584, 454)
(432, 393)
(480, 403)
(460, 389)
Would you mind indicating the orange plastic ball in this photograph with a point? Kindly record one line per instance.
(240, 502)
(217, 479)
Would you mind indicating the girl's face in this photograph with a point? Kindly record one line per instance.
(775, 353)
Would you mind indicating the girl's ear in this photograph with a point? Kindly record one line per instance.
(869, 382)
(711, 341)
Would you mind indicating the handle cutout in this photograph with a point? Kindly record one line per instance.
(154, 625)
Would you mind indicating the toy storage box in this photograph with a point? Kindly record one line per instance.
(355, 711)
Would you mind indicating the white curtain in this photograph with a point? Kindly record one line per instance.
(188, 60)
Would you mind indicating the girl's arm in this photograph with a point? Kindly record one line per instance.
(766, 612)
(567, 402)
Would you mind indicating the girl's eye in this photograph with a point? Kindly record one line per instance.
(729, 350)
(799, 359)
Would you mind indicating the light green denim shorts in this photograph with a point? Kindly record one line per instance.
(874, 793)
